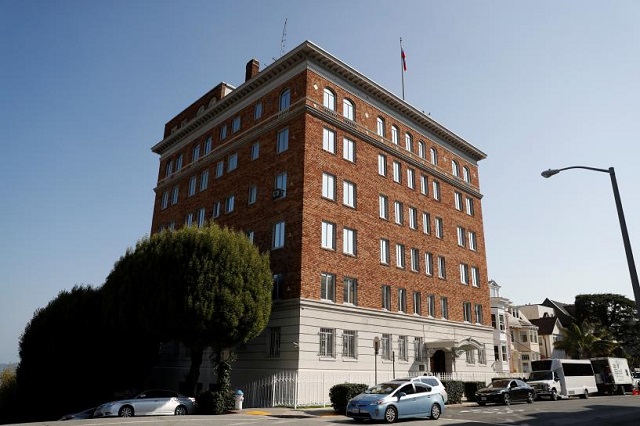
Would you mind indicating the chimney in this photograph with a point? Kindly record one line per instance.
(253, 68)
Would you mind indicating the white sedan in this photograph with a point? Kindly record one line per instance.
(154, 402)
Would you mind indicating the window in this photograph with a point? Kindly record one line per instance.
(201, 217)
(328, 186)
(329, 99)
(478, 312)
(464, 273)
(458, 200)
(413, 218)
(472, 241)
(350, 344)
(386, 297)
(207, 146)
(235, 124)
(251, 236)
(223, 132)
(471, 357)
(328, 235)
(179, 163)
(422, 150)
(475, 274)
(349, 241)
(219, 169)
(274, 342)
(442, 268)
(174, 195)
(394, 135)
(232, 163)
(418, 353)
(327, 343)
(169, 168)
(350, 291)
(431, 305)
(400, 256)
(281, 183)
(426, 223)
(349, 150)
(428, 263)
(230, 203)
(444, 307)
(384, 251)
(255, 150)
(469, 206)
(402, 348)
(348, 110)
(408, 142)
(257, 111)
(253, 194)
(496, 353)
(434, 156)
(285, 100)
(195, 154)
(383, 202)
(415, 260)
(382, 165)
(436, 190)
(385, 346)
(455, 168)
(397, 210)
(204, 180)
(283, 141)
(524, 336)
(424, 185)
(397, 170)
(329, 140)
(165, 200)
(192, 185)
(504, 353)
(278, 235)
(278, 284)
(493, 321)
(402, 300)
(328, 287)
(466, 176)
(501, 322)
(461, 236)
(411, 183)
(189, 219)
(216, 209)
(380, 126)
(417, 303)
(439, 228)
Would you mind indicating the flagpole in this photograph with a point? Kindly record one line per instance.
(402, 66)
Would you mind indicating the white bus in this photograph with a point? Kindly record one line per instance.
(562, 378)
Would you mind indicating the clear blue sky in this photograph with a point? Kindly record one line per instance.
(86, 87)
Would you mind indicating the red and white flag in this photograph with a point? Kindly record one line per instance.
(404, 59)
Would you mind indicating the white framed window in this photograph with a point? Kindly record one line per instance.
(204, 180)
(235, 124)
(386, 297)
(411, 178)
(328, 186)
(207, 145)
(179, 163)
(464, 274)
(174, 194)
(384, 251)
(223, 132)
(428, 264)
(201, 217)
(475, 276)
(380, 126)
(439, 228)
(253, 194)
(219, 169)
(349, 150)
(466, 176)
(192, 185)
(400, 262)
(349, 241)
(195, 154)
(165, 200)
(402, 348)
(457, 197)
(278, 235)
(466, 309)
(350, 291)
(255, 150)
(230, 203)
(328, 235)
(394, 135)
(470, 357)
(350, 344)
(349, 194)
(382, 165)
(455, 168)
(251, 235)
(422, 150)
(479, 317)
(417, 303)
(444, 307)
(327, 343)
(418, 351)
(285, 100)
(434, 156)
(397, 172)
(274, 342)
(431, 305)
(328, 287)
(461, 236)
(442, 267)
(188, 221)
(469, 203)
(283, 141)
(413, 218)
(415, 260)
(408, 142)
(232, 162)
(329, 140)
(424, 185)
(436, 190)
(216, 209)
(426, 223)
(472, 241)
(383, 202)
(385, 346)
(257, 111)
(281, 183)
(348, 110)
(329, 99)
(169, 168)
(398, 213)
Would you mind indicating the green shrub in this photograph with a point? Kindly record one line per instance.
(455, 390)
(470, 389)
(340, 394)
(215, 402)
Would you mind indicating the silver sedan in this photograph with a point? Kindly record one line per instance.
(154, 402)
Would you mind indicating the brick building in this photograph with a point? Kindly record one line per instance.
(371, 212)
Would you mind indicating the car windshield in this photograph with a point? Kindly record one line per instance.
(383, 388)
(499, 384)
(541, 375)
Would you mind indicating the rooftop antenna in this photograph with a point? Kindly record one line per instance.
(283, 40)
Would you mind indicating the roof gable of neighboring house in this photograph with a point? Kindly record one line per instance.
(547, 326)
(564, 312)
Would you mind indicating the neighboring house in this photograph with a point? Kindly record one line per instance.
(370, 211)
(565, 312)
(501, 344)
(549, 327)
(524, 341)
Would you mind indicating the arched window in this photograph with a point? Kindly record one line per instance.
(455, 168)
(434, 156)
(466, 176)
(422, 149)
(408, 142)
(200, 111)
(213, 101)
(348, 110)
(394, 135)
(285, 99)
(329, 99)
(380, 126)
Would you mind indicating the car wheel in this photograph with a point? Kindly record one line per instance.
(181, 410)
(390, 415)
(530, 398)
(435, 412)
(506, 399)
(621, 390)
(125, 411)
(554, 395)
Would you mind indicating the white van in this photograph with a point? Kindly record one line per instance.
(562, 378)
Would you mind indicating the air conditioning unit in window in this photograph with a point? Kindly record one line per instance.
(278, 193)
(422, 367)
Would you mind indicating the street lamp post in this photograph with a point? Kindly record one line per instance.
(623, 225)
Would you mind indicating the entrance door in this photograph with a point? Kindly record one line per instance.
(438, 364)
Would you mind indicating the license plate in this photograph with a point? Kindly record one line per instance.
(355, 410)
(483, 398)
